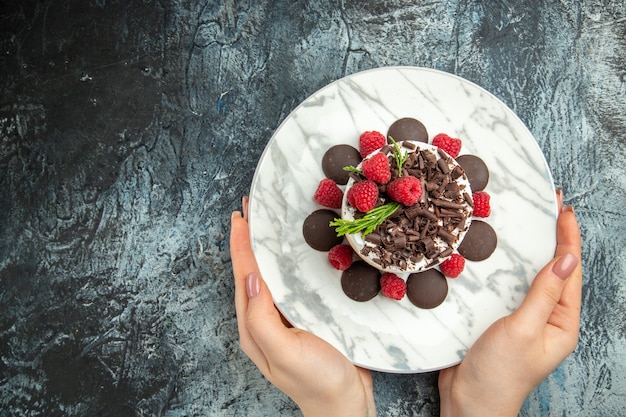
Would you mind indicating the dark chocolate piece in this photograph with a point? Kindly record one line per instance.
(427, 289)
(361, 281)
(336, 158)
(318, 233)
(479, 243)
(408, 129)
(476, 171)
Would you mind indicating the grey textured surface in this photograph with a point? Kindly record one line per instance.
(130, 130)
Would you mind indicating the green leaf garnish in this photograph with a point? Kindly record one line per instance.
(398, 156)
(351, 168)
(366, 224)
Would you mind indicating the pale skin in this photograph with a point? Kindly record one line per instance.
(499, 371)
(315, 375)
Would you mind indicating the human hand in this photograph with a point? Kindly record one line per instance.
(321, 380)
(519, 351)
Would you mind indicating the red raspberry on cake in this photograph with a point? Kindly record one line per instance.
(328, 194)
(452, 146)
(405, 190)
(363, 195)
(453, 266)
(340, 256)
(392, 286)
(371, 141)
(377, 168)
(482, 207)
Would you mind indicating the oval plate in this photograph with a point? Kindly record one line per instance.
(383, 334)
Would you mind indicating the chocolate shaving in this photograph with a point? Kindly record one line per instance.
(457, 172)
(409, 145)
(431, 186)
(450, 213)
(373, 238)
(443, 166)
(468, 199)
(400, 242)
(428, 243)
(447, 236)
(447, 204)
(412, 212)
(429, 215)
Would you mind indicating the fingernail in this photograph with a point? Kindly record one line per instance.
(568, 208)
(565, 265)
(244, 206)
(253, 287)
(234, 214)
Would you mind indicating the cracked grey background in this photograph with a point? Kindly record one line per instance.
(129, 130)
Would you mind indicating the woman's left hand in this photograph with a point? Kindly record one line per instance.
(319, 378)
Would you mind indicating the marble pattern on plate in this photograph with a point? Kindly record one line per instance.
(383, 334)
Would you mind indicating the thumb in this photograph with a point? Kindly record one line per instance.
(545, 291)
(263, 320)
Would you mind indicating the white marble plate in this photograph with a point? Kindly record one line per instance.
(383, 334)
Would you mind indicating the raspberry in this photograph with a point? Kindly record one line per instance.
(340, 256)
(405, 190)
(328, 194)
(452, 146)
(481, 204)
(371, 141)
(453, 266)
(377, 169)
(363, 195)
(392, 286)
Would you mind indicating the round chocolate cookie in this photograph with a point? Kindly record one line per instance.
(476, 171)
(479, 243)
(408, 129)
(427, 289)
(318, 233)
(361, 281)
(336, 158)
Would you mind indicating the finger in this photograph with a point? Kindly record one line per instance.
(569, 241)
(567, 232)
(559, 200)
(242, 258)
(244, 206)
(245, 201)
(244, 263)
(265, 324)
(545, 292)
(549, 288)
